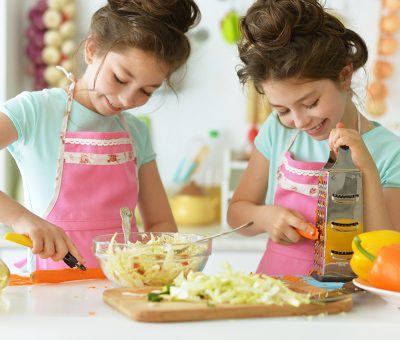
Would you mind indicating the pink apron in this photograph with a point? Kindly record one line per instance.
(297, 188)
(96, 176)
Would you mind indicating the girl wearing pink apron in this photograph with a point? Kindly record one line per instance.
(297, 188)
(96, 176)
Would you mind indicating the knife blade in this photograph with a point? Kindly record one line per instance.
(344, 292)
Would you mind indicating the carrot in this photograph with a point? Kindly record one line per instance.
(291, 278)
(312, 236)
(64, 275)
(18, 280)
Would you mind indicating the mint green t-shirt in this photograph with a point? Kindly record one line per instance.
(37, 117)
(273, 140)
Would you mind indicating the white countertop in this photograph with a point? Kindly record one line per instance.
(76, 311)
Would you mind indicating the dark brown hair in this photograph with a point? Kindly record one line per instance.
(156, 26)
(284, 39)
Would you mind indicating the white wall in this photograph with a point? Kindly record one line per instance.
(10, 71)
(2, 82)
(211, 97)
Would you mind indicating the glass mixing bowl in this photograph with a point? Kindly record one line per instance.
(150, 259)
(4, 275)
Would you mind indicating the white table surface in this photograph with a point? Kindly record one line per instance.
(76, 311)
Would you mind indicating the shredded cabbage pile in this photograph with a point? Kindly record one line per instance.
(230, 287)
(153, 262)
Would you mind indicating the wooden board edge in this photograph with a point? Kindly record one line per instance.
(223, 314)
(228, 311)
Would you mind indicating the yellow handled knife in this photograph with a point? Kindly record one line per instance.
(69, 259)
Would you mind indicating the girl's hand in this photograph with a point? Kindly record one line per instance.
(49, 241)
(282, 229)
(360, 155)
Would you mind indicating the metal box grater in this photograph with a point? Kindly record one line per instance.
(339, 217)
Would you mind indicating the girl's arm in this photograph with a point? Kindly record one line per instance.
(392, 199)
(48, 240)
(375, 207)
(248, 204)
(154, 207)
(8, 132)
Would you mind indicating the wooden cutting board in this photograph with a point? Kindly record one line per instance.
(133, 303)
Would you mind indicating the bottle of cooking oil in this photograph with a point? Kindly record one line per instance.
(4, 275)
(209, 176)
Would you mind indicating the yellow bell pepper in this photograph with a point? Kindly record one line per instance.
(371, 241)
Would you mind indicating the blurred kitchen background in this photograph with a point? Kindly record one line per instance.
(202, 131)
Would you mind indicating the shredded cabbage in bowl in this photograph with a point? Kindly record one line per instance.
(153, 259)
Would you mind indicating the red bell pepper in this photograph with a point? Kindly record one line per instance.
(385, 271)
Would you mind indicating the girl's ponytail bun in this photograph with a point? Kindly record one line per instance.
(177, 14)
(283, 39)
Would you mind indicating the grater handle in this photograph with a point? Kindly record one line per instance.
(344, 160)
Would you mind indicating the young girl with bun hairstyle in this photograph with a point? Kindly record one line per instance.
(302, 58)
(82, 156)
